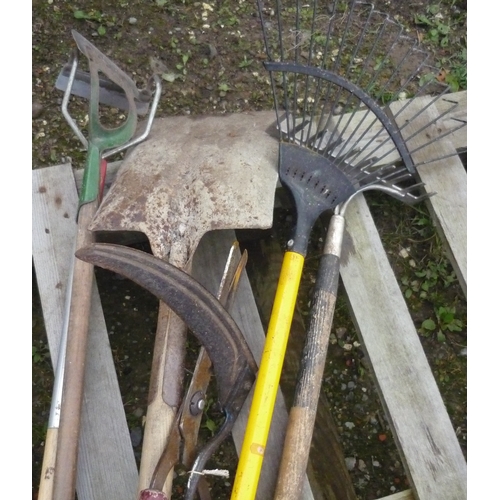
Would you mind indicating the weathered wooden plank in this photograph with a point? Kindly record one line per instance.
(106, 464)
(208, 267)
(420, 423)
(402, 495)
(448, 179)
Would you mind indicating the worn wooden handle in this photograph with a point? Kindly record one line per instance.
(69, 428)
(300, 426)
(165, 392)
(48, 465)
(303, 413)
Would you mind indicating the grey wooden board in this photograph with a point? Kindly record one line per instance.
(420, 423)
(208, 266)
(448, 179)
(106, 463)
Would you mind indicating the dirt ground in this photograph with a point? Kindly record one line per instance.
(210, 57)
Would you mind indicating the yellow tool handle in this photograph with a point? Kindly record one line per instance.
(268, 377)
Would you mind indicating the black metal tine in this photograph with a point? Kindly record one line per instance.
(328, 117)
(439, 137)
(433, 160)
(429, 123)
(425, 90)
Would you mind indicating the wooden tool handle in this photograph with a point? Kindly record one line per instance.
(165, 392)
(48, 465)
(266, 388)
(300, 426)
(69, 429)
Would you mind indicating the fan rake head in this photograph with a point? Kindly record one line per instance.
(351, 92)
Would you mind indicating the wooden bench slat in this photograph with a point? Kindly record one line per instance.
(106, 463)
(420, 423)
(448, 179)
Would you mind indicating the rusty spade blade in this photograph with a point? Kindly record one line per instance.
(195, 175)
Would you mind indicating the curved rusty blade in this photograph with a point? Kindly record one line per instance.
(189, 417)
(233, 363)
(191, 420)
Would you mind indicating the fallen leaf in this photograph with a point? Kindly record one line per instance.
(442, 75)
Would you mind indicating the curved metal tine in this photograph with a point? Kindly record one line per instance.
(404, 195)
(149, 124)
(65, 101)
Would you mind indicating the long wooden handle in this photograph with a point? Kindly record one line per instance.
(69, 429)
(165, 392)
(266, 388)
(300, 426)
(48, 465)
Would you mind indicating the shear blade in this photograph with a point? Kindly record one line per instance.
(110, 94)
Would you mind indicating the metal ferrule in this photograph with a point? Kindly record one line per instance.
(334, 235)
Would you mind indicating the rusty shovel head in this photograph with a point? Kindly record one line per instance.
(194, 175)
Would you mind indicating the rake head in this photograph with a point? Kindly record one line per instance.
(351, 93)
(345, 79)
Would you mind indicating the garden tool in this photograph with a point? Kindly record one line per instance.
(335, 70)
(61, 447)
(233, 363)
(181, 445)
(194, 175)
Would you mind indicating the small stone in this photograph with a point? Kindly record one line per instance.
(212, 51)
(350, 463)
(132, 20)
(36, 109)
(340, 332)
(136, 436)
(404, 252)
(138, 412)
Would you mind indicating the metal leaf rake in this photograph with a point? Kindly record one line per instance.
(352, 92)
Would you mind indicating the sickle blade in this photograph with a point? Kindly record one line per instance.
(233, 363)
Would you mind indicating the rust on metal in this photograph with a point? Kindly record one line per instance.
(193, 176)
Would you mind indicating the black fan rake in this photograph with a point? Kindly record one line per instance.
(353, 94)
